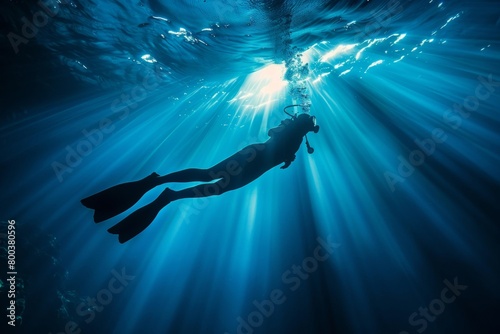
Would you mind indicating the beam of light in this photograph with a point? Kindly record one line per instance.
(320, 77)
(339, 50)
(261, 88)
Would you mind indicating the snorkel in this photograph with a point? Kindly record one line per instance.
(307, 122)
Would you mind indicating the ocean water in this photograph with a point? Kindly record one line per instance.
(391, 226)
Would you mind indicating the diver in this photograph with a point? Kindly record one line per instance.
(232, 173)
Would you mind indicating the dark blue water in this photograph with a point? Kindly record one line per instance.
(391, 226)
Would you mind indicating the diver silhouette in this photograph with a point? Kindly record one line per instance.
(234, 172)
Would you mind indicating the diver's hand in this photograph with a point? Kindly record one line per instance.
(288, 162)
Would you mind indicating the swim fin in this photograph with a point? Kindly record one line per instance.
(117, 199)
(138, 220)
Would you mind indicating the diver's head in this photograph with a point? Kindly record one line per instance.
(307, 123)
(302, 124)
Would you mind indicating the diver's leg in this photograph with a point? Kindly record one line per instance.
(234, 164)
(218, 171)
(223, 185)
(232, 173)
(186, 175)
(201, 190)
